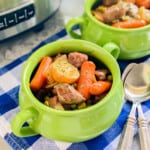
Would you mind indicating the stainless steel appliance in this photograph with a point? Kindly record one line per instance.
(17, 16)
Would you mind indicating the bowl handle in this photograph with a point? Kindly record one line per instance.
(18, 121)
(73, 23)
(113, 49)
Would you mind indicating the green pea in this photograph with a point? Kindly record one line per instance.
(82, 105)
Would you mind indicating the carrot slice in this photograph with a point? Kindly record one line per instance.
(99, 87)
(130, 24)
(39, 79)
(145, 3)
(87, 77)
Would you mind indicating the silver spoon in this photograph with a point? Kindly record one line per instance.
(136, 79)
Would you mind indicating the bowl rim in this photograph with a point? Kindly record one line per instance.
(32, 62)
(88, 7)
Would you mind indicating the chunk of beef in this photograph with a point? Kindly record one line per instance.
(110, 2)
(67, 94)
(101, 74)
(113, 13)
(132, 10)
(76, 58)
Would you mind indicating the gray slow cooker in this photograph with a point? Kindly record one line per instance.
(17, 16)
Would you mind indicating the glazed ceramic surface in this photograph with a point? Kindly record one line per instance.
(133, 43)
(72, 126)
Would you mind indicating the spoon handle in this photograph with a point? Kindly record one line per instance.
(143, 130)
(127, 137)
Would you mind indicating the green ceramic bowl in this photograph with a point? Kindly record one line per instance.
(133, 43)
(71, 126)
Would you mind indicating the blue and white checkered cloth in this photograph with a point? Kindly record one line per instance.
(9, 86)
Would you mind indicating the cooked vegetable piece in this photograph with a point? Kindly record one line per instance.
(99, 87)
(144, 14)
(39, 79)
(63, 71)
(98, 15)
(145, 3)
(87, 77)
(48, 75)
(59, 106)
(82, 105)
(109, 77)
(54, 103)
(51, 101)
(130, 24)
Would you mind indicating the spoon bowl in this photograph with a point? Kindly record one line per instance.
(138, 98)
(136, 79)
